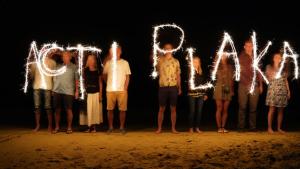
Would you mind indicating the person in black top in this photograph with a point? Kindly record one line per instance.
(196, 97)
(93, 86)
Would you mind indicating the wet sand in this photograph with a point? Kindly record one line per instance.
(21, 148)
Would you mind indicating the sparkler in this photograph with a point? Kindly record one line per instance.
(32, 52)
(114, 65)
(44, 70)
(192, 76)
(39, 57)
(255, 62)
(156, 47)
(227, 39)
(81, 49)
(288, 52)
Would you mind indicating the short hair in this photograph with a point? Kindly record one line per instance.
(66, 52)
(248, 41)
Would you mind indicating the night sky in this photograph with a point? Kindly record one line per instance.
(131, 25)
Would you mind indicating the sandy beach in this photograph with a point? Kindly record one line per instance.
(21, 148)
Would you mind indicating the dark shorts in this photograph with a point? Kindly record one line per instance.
(66, 100)
(166, 94)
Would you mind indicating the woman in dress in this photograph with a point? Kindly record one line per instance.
(278, 92)
(223, 93)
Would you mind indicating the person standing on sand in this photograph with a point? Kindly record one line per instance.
(93, 85)
(41, 92)
(278, 93)
(246, 59)
(196, 97)
(169, 86)
(223, 93)
(65, 89)
(119, 93)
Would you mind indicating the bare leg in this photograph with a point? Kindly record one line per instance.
(270, 119)
(279, 120)
(69, 118)
(219, 105)
(57, 118)
(225, 113)
(37, 120)
(110, 119)
(173, 119)
(160, 118)
(122, 119)
(49, 113)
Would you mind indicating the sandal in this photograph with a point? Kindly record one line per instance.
(123, 131)
(69, 131)
(109, 131)
(55, 131)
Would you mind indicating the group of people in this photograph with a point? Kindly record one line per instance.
(64, 89)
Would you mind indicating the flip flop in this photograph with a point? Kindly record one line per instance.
(55, 131)
(69, 131)
(109, 131)
(123, 131)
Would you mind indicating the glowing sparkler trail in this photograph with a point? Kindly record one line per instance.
(255, 62)
(288, 52)
(156, 47)
(192, 75)
(39, 60)
(114, 65)
(81, 49)
(42, 57)
(44, 70)
(221, 52)
(33, 51)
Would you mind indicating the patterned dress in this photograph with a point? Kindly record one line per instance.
(223, 83)
(277, 94)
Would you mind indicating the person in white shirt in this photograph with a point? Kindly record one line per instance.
(117, 76)
(42, 86)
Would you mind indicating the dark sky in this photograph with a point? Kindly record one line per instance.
(131, 24)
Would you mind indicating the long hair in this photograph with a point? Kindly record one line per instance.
(286, 68)
(272, 58)
(88, 62)
(199, 69)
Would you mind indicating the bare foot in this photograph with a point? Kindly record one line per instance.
(191, 130)
(270, 131)
(158, 131)
(50, 129)
(174, 131)
(199, 131)
(37, 128)
(281, 131)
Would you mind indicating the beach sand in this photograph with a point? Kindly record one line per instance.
(21, 148)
